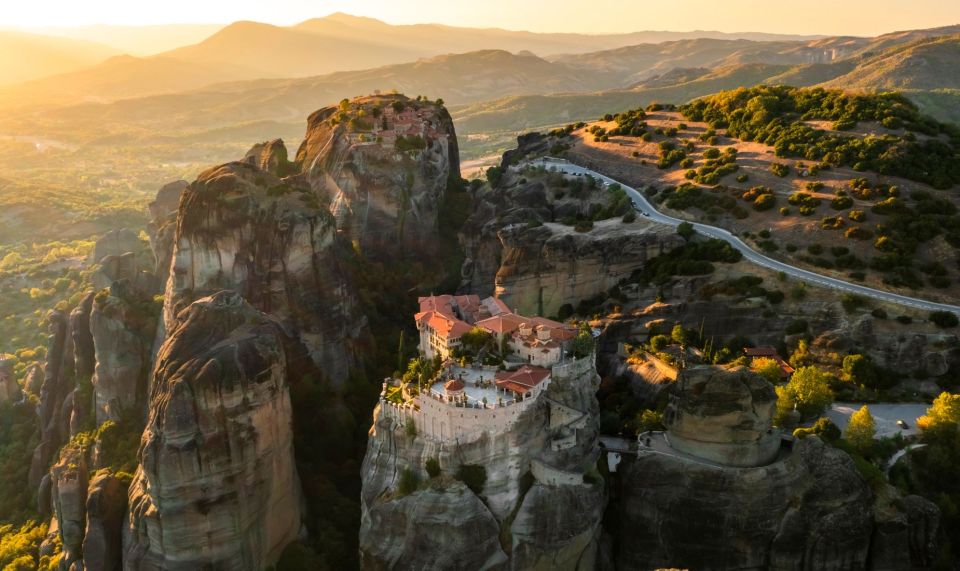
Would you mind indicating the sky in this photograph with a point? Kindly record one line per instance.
(827, 17)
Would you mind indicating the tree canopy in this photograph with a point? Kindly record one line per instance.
(861, 429)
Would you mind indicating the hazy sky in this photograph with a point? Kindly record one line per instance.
(858, 17)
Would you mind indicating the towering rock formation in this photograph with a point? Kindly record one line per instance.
(713, 499)
(244, 229)
(123, 323)
(217, 453)
(723, 416)
(383, 164)
(539, 471)
(9, 389)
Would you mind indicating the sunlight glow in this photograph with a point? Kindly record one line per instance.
(862, 17)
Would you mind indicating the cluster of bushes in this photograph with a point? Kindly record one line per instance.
(775, 115)
(807, 203)
(743, 286)
(716, 166)
(670, 155)
(780, 169)
(713, 202)
(410, 143)
(629, 123)
(761, 197)
(691, 259)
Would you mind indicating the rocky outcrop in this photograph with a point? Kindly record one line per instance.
(723, 415)
(69, 496)
(440, 527)
(382, 163)
(905, 536)
(217, 452)
(9, 388)
(122, 325)
(33, 380)
(271, 157)
(538, 472)
(105, 509)
(546, 267)
(244, 229)
(162, 227)
(926, 355)
(115, 243)
(810, 511)
(56, 403)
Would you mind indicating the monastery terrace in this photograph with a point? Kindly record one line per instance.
(464, 401)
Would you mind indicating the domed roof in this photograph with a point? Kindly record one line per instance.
(453, 386)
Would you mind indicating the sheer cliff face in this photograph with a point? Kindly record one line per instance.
(217, 486)
(515, 247)
(383, 164)
(244, 229)
(537, 510)
(546, 267)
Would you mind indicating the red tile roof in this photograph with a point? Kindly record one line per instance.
(524, 378)
(504, 323)
(454, 386)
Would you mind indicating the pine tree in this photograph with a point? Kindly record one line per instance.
(861, 429)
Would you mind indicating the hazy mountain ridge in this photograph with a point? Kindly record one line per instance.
(335, 43)
(33, 55)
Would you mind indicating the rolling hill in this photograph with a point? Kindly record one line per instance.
(26, 56)
(336, 43)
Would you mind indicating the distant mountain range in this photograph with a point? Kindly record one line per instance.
(29, 56)
(205, 92)
(339, 42)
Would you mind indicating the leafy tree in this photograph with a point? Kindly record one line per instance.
(785, 405)
(861, 429)
(679, 335)
(648, 421)
(473, 475)
(494, 175)
(809, 388)
(767, 368)
(583, 343)
(476, 340)
(859, 369)
(824, 428)
(433, 467)
(685, 229)
(659, 342)
(943, 414)
(409, 482)
(944, 319)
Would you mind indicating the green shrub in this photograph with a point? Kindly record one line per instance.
(779, 169)
(409, 482)
(944, 319)
(474, 476)
(433, 467)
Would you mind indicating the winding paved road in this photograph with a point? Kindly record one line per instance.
(646, 209)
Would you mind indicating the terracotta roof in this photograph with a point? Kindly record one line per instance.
(453, 386)
(445, 326)
(495, 306)
(504, 323)
(526, 377)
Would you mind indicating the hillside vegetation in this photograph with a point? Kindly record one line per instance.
(775, 116)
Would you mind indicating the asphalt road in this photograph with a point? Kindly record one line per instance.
(647, 210)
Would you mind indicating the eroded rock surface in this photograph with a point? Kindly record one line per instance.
(244, 229)
(217, 452)
(538, 474)
(723, 415)
(383, 171)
